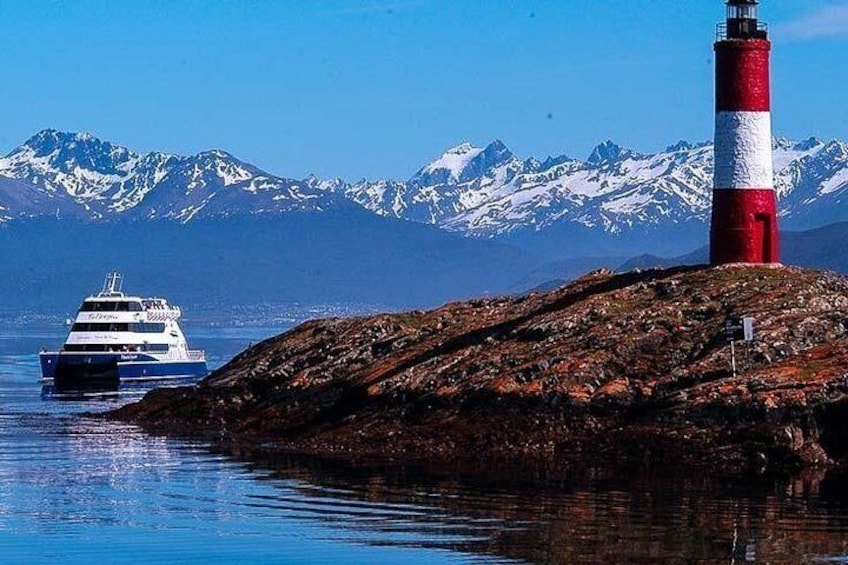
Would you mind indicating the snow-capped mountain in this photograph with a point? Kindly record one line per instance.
(463, 178)
(812, 182)
(78, 175)
(613, 190)
(486, 192)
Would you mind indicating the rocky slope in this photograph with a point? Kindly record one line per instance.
(629, 366)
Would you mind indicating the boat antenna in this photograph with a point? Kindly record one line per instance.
(113, 283)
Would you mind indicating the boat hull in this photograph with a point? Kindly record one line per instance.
(72, 371)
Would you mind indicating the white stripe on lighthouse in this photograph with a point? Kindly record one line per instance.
(743, 156)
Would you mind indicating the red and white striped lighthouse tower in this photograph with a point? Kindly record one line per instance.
(744, 216)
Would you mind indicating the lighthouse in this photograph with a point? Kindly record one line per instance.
(744, 216)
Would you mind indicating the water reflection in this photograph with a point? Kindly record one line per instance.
(74, 474)
(72, 487)
(100, 391)
(590, 515)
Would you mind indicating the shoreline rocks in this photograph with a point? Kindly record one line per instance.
(618, 367)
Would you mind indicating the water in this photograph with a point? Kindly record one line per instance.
(73, 489)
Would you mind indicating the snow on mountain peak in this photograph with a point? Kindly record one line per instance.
(79, 165)
(781, 143)
(479, 191)
(452, 162)
(490, 161)
(48, 139)
(215, 154)
(463, 148)
(490, 192)
(79, 171)
(222, 165)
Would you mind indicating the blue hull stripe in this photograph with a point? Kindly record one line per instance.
(141, 367)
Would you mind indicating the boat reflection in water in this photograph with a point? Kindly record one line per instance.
(121, 343)
(106, 388)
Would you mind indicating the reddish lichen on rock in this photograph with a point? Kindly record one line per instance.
(610, 365)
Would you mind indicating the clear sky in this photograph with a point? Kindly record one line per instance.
(375, 88)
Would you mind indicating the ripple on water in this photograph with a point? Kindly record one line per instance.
(73, 487)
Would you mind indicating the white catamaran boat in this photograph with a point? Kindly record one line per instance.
(118, 339)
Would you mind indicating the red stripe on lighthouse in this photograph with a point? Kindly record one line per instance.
(744, 227)
(742, 75)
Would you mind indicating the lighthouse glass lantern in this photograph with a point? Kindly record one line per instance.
(742, 20)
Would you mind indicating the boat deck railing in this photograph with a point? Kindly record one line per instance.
(757, 31)
(163, 315)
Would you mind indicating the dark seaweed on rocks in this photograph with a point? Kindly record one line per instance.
(624, 367)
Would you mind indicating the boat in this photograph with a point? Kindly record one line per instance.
(118, 339)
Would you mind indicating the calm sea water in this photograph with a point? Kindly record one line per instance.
(74, 490)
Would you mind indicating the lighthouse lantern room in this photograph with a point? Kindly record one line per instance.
(742, 20)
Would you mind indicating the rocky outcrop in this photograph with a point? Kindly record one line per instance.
(613, 366)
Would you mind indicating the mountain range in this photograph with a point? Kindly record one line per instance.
(76, 175)
(616, 198)
(475, 220)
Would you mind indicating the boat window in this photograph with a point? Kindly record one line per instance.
(92, 306)
(111, 306)
(128, 306)
(155, 347)
(85, 347)
(147, 328)
(100, 327)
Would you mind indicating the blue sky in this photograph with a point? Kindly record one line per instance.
(375, 88)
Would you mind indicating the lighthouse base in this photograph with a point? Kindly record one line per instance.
(729, 266)
(744, 227)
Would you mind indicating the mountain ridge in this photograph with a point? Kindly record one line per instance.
(80, 175)
(617, 193)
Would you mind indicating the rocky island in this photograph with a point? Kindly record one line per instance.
(616, 367)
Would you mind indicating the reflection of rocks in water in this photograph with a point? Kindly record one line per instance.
(592, 515)
(632, 366)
